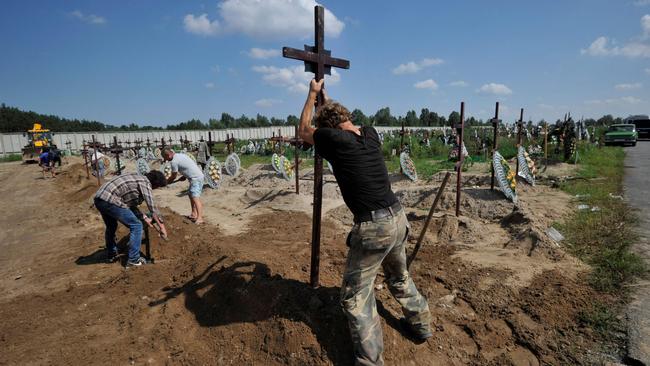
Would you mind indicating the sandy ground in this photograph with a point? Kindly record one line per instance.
(235, 291)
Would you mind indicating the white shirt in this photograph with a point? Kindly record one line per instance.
(183, 164)
(92, 156)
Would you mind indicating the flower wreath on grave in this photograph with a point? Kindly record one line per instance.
(505, 176)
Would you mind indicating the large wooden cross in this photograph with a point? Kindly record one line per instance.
(319, 61)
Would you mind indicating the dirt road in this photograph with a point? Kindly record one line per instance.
(637, 192)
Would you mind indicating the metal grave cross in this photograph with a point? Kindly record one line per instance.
(319, 61)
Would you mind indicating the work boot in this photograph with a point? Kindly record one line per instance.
(418, 333)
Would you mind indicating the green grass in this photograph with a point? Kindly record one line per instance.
(601, 317)
(10, 158)
(603, 238)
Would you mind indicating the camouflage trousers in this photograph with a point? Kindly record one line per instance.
(374, 244)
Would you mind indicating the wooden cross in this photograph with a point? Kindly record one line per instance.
(117, 150)
(95, 146)
(460, 127)
(297, 143)
(520, 125)
(84, 153)
(319, 61)
(495, 124)
(230, 143)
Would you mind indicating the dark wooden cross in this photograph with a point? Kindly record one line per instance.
(460, 127)
(319, 61)
(117, 150)
(84, 153)
(520, 126)
(495, 124)
(297, 143)
(95, 147)
(230, 143)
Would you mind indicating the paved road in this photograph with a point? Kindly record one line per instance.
(637, 192)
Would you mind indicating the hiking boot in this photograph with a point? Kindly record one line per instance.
(418, 332)
(139, 262)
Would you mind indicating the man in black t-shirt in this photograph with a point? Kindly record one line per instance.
(380, 226)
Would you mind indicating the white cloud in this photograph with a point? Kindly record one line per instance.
(601, 45)
(645, 25)
(412, 67)
(597, 47)
(260, 53)
(201, 25)
(264, 19)
(627, 86)
(88, 18)
(459, 83)
(294, 78)
(209, 85)
(494, 88)
(267, 103)
(426, 84)
(615, 101)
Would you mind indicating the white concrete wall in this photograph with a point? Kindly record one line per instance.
(12, 143)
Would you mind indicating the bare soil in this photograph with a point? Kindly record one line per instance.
(235, 291)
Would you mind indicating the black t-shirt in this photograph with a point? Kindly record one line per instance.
(358, 166)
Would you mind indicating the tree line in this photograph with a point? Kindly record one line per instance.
(13, 119)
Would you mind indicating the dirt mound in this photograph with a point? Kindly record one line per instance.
(74, 183)
(213, 297)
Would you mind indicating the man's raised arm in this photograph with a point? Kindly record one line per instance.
(305, 129)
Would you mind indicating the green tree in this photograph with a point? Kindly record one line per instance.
(292, 120)
(454, 118)
(411, 119)
(384, 118)
(360, 119)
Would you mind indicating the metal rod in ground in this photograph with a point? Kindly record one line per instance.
(99, 181)
(296, 162)
(495, 125)
(418, 245)
(459, 168)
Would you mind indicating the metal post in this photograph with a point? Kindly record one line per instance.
(426, 223)
(495, 124)
(459, 133)
(99, 181)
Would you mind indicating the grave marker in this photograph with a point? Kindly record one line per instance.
(319, 61)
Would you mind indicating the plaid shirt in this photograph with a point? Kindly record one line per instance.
(127, 190)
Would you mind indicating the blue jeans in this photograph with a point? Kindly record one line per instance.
(112, 214)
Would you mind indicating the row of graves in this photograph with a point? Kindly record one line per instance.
(318, 60)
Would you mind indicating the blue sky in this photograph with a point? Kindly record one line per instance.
(160, 62)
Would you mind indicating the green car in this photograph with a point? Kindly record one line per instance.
(623, 134)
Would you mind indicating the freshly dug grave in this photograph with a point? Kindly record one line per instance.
(215, 298)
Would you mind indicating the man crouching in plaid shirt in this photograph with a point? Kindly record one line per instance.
(118, 200)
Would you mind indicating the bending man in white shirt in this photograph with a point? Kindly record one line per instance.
(189, 170)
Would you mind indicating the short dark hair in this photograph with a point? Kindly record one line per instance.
(156, 178)
(331, 114)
